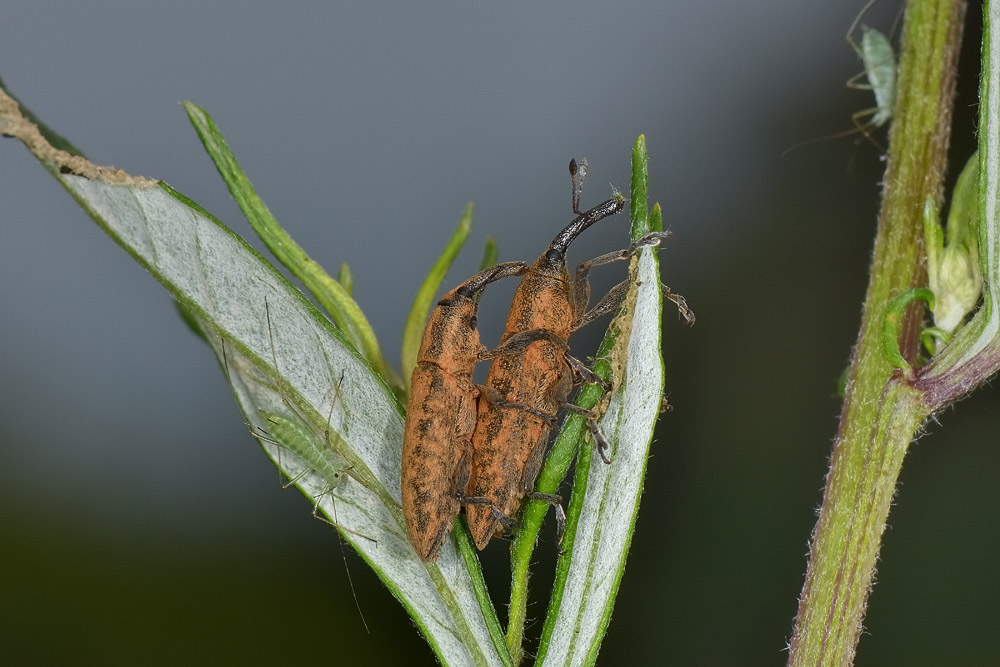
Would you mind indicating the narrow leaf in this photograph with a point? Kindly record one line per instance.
(490, 254)
(333, 296)
(413, 332)
(346, 278)
(602, 529)
(285, 361)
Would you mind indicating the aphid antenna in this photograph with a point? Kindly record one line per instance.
(857, 23)
(329, 488)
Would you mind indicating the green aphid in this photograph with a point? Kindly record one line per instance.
(879, 76)
(879, 60)
(296, 436)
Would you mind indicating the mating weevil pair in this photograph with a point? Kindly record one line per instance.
(482, 446)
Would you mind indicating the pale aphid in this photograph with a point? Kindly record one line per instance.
(879, 76)
(296, 436)
(876, 52)
(293, 432)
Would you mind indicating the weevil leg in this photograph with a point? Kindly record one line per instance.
(503, 518)
(651, 239)
(577, 410)
(473, 500)
(556, 501)
(683, 310)
(610, 301)
(585, 374)
(550, 498)
(613, 299)
(603, 447)
(478, 501)
(518, 342)
(560, 527)
(494, 397)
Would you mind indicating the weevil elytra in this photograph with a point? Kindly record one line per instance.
(441, 411)
(508, 444)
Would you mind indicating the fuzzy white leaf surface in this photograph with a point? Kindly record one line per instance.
(611, 502)
(303, 370)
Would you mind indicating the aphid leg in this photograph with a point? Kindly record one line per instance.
(857, 23)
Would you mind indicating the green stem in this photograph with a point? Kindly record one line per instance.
(467, 549)
(565, 447)
(334, 297)
(973, 355)
(880, 413)
(556, 464)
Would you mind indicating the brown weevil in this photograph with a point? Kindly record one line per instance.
(441, 411)
(508, 444)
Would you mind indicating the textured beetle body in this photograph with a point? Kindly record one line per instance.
(508, 445)
(441, 413)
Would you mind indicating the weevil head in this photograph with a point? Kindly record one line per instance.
(451, 337)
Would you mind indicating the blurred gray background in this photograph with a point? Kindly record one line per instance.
(140, 522)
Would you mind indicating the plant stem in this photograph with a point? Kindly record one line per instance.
(881, 413)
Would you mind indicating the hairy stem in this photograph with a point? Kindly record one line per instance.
(881, 413)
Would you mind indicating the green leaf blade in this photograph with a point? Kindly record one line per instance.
(333, 296)
(413, 332)
(602, 529)
(226, 284)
